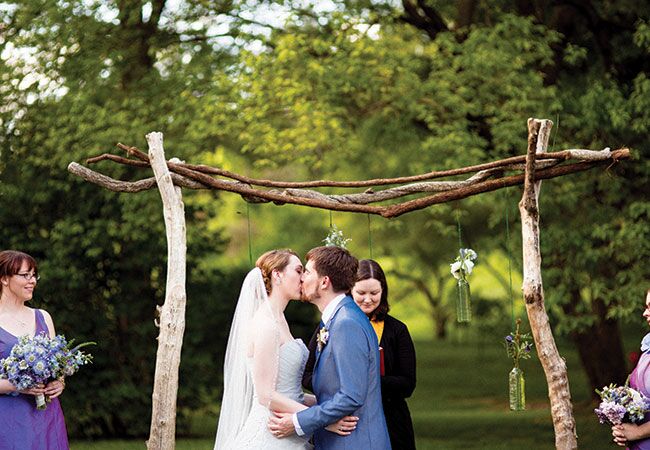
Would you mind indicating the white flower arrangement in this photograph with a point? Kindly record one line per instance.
(335, 238)
(464, 263)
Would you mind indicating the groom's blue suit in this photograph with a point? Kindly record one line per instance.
(346, 382)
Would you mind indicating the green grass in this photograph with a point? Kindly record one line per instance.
(461, 403)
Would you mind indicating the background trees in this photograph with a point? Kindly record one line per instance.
(289, 90)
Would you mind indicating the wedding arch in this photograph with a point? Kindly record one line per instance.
(529, 169)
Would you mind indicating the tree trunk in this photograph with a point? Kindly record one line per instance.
(172, 314)
(600, 346)
(439, 315)
(553, 364)
(440, 320)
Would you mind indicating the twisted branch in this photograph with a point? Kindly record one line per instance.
(511, 163)
(200, 177)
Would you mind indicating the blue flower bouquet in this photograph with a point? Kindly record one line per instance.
(621, 404)
(40, 359)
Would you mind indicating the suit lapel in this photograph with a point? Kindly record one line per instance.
(328, 325)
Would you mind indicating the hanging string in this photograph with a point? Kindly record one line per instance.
(557, 128)
(331, 219)
(460, 240)
(369, 237)
(250, 244)
(512, 299)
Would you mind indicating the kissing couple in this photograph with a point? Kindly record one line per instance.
(263, 404)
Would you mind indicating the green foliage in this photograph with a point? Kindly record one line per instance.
(103, 254)
(355, 91)
(336, 238)
(518, 345)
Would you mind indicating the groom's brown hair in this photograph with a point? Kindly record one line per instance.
(337, 264)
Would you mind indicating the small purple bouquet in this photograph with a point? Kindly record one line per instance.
(39, 359)
(621, 404)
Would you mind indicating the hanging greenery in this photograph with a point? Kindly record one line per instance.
(518, 346)
(335, 238)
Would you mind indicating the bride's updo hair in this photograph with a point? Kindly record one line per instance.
(273, 260)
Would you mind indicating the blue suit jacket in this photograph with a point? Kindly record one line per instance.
(346, 382)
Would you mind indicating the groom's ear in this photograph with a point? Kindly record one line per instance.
(325, 282)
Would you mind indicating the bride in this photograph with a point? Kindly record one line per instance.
(264, 363)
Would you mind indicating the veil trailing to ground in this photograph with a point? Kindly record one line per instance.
(238, 391)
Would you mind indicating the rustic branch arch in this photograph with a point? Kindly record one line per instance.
(533, 167)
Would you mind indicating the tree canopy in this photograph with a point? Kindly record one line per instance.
(293, 90)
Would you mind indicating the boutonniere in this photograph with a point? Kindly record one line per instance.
(322, 338)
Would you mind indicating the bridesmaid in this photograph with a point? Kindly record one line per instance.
(637, 437)
(370, 292)
(24, 426)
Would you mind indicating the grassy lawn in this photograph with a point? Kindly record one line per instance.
(461, 403)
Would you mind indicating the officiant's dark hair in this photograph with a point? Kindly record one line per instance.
(273, 260)
(11, 261)
(370, 269)
(337, 264)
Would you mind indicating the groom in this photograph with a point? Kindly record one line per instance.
(346, 372)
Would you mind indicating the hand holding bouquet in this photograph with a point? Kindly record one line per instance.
(39, 359)
(621, 404)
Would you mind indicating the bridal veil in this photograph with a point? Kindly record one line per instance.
(238, 392)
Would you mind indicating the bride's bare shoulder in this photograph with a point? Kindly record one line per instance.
(262, 322)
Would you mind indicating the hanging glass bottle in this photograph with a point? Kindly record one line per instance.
(463, 307)
(516, 388)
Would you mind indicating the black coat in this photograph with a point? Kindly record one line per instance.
(397, 384)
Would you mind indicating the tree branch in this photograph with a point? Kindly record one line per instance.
(333, 203)
(585, 155)
(127, 186)
(423, 17)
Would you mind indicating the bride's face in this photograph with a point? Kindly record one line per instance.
(290, 278)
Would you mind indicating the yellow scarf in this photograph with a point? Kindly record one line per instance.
(379, 328)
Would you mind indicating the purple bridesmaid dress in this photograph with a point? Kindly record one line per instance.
(640, 380)
(23, 426)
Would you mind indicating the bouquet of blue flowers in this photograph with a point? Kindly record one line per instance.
(621, 404)
(39, 359)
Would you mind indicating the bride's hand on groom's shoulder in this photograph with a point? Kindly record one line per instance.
(343, 427)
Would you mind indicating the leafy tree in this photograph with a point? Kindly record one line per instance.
(78, 77)
(400, 90)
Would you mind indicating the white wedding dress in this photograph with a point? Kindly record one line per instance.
(243, 420)
(255, 433)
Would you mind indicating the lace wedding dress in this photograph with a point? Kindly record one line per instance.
(255, 433)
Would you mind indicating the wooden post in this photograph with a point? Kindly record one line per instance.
(553, 364)
(172, 314)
